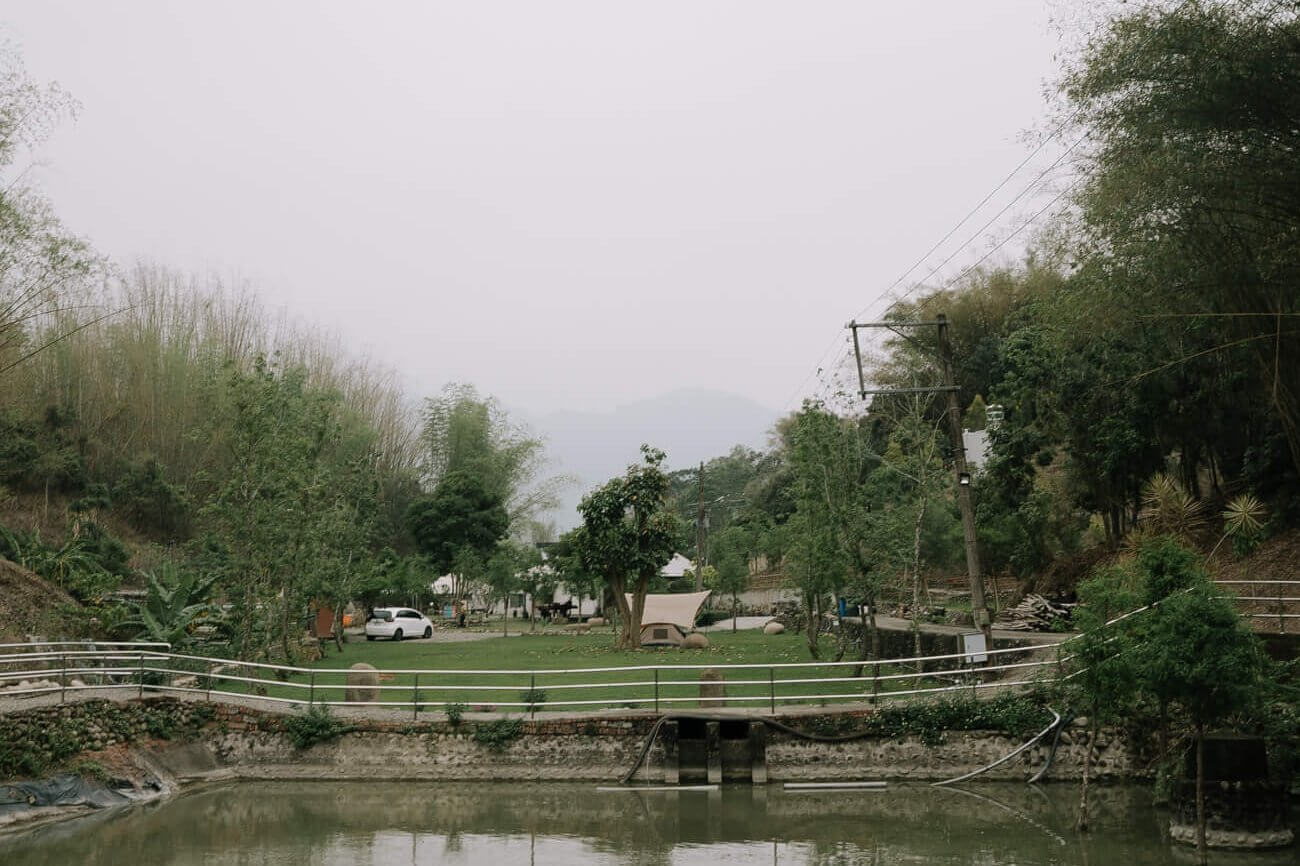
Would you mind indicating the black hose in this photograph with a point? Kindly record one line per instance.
(795, 732)
(720, 717)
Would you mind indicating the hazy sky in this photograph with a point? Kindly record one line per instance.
(570, 204)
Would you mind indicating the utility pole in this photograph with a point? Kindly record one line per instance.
(700, 529)
(979, 607)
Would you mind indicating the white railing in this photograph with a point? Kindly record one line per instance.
(69, 667)
(1283, 603)
(140, 669)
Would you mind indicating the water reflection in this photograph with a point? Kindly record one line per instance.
(274, 823)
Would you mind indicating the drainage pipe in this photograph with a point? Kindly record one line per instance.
(1007, 757)
(1056, 740)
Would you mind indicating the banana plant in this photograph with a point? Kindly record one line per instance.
(176, 602)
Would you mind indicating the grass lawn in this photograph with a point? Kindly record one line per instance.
(536, 656)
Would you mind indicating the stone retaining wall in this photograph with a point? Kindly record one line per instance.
(42, 739)
(240, 741)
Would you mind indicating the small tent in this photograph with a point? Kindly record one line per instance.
(668, 616)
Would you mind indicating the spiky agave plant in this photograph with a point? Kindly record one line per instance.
(1168, 508)
(1243, 521)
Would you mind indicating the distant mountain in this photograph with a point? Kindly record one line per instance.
(690, 425)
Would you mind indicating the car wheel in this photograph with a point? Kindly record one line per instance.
(397, 635)
(370, 637)
(428, 632)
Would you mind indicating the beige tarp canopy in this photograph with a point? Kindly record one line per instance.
(678, 608)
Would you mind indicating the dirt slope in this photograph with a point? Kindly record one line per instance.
(28, 604)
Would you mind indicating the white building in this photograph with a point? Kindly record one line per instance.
(677, 567)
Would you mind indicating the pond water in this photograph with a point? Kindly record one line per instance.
(274, 823)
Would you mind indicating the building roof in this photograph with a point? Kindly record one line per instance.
(677, 566)
(678, 608)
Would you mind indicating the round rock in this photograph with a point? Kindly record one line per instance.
(695, 640)
(363, 683)
(773, 627)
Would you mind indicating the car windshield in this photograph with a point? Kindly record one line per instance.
(385, 615)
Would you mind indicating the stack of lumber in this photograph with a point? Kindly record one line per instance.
(1035, 613)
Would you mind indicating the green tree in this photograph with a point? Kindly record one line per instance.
(1188, 208)
(466, 433)
(1105, 676)
(628, 534)
(507, 572)
(814, 561)
(1198, 654)
(144, 496)
(829, 462)
(42, 264)
(570, 570)
(728, 574)
(264, 509)
(461, 513)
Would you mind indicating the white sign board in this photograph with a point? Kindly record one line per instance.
(975, 648)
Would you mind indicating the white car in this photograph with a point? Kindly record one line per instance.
(397, 623)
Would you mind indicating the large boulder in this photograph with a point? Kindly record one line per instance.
(363, 683)
(597, 621)
(773, 627)
(695, 640)
(713, 689)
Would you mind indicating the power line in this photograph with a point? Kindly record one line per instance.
(952, 231)
(1056, 131)
(980, 231)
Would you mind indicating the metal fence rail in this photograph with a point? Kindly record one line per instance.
(1281, 598)
(30, 670)
(152, 669)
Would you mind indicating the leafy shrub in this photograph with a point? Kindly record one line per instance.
(150, 502)
(455, 712)
(1017, 715)
(709, 617)
(497, 736)
(317, 725)
(91, 770)
(534, 698)
(162, 727)
(105, 549)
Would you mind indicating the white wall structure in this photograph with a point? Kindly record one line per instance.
(677, 567)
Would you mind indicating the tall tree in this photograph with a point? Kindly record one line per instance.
(461, 513)
(466, 433)
(42, 264)
(1190, 200)
(628, 534)
(263, 509)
